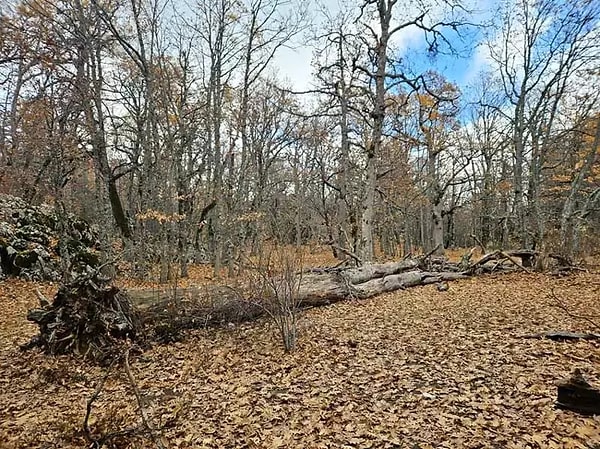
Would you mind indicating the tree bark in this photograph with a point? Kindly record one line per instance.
(568, 210)
(319, 287)
(438, 228)
(384, 10)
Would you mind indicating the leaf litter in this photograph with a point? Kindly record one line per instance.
(417, 368)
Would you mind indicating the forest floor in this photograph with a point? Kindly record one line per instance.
(411, 369)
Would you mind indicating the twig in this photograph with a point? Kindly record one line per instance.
(574, 357)
(44, 302)
(341, 263)
(481, 245)
(86, 427)
(146, 428)
(141, 408)
(429, 254)
(348, 253)
(561, 305)
(485, 258)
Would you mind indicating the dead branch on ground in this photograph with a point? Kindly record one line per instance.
(143, 430)
(481, 245)
(562, 306)
(499, 256)
(565, 264)
(348, 253)
(142, 411)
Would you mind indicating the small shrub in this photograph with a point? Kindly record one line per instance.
(275, 283)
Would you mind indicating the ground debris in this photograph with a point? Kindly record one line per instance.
(564, 336)
(410, 368)
(88, 317)
(578, 395)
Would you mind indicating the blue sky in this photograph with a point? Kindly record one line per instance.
(294, 64)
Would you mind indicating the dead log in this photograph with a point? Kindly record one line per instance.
(501, 256)
(563, 336)
(170, 310)
(577, 395)
(315, 288)
(371, 271)
(167, 312)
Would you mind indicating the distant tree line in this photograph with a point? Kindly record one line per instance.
(164, 123)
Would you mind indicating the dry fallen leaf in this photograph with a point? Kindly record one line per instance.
(425, 369)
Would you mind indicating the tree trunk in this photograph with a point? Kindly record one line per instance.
(219, 304)
(367, 244)
(384, 10)
(315, 288)
(567, 215)
(437, 231)
(117, 209)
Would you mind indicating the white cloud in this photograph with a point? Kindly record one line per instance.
(480, 62)
(293, 65)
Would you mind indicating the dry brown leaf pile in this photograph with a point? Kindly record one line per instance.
(412, 369)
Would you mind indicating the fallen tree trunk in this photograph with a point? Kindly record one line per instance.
(326, 288)
(90, 317)
(315, 288)
(168, 311)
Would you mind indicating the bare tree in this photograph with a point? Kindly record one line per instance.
(384, 77)
(338, 78)
(487, 138)
(543, 45)
(570, 214)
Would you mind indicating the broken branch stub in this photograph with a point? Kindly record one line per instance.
(577, 395)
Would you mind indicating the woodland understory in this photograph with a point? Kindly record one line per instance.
(167, 126)
(172, 210)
